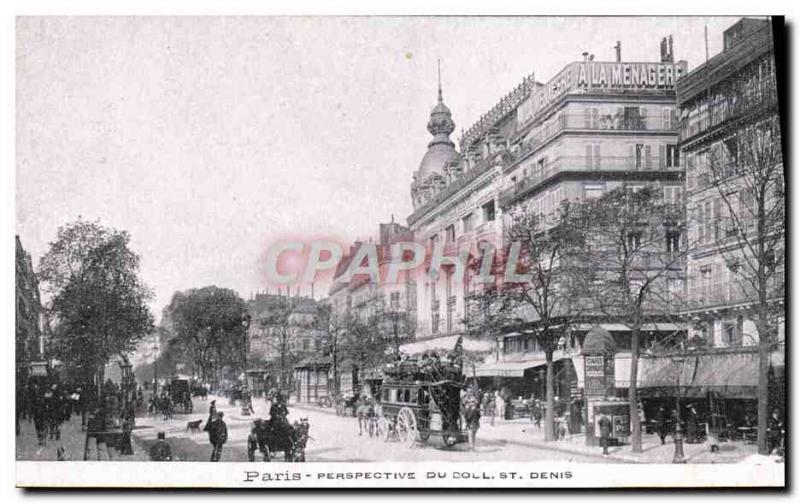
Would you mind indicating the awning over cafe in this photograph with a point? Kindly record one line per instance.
(619, 327)
(508, 369)
(731, 374)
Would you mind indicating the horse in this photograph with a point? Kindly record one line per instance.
(365, 411)
(274, 436)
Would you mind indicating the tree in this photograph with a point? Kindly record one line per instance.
(550, 293)
(97, 302)
(281, 334)
(638, 248)
(210, 323)
(334, 329)
(751, 188)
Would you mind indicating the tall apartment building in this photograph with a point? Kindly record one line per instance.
(593, 127)
(730, 140)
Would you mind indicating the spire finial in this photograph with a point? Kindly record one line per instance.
(439, 69)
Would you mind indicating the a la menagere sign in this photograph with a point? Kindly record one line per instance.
(604, 77)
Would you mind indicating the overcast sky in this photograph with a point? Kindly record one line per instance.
(210, 138)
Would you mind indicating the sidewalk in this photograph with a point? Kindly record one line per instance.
(72, 440)
(524, 432)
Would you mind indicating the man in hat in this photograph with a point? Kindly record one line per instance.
(161, 451)
(662, 424)
(605, 425)
(212, 415)
(217, 435)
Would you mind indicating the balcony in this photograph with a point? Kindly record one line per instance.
(722, 295)
(761, 97)
(582, 164)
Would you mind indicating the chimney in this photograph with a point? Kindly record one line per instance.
(671, 54)
(618, 51)
(585, 55)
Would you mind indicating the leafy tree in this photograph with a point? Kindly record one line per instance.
(281, 333)
(98, 303)
(210, 323)
(550, 293)
(638, 248)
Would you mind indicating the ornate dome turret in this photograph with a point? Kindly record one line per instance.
(441, 150)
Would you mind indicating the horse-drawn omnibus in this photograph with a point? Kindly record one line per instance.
(420, 400)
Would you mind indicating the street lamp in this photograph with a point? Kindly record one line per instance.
(679, 457)
(155, 367)
(246, 326)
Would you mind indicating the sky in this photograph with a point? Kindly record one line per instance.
(210, 138)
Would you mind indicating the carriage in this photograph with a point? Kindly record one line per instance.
(269, 437)
(420, 401)
(181, 395)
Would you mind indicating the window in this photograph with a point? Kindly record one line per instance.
(666, 118)
(634, 118)
(590, 118)
(672, 194)
(450, 233)
(488, 212)
(593, 158)
(467, 222)
(634, 240)
(729, 158)
(673, 156)
(639, 155)
(394, 300)
(592, 191)
(673, 241)
(731, 334)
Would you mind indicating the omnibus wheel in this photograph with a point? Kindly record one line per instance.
(407, 430)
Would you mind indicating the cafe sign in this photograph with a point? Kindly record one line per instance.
(598, 375)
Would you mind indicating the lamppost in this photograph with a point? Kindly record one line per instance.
(246, 326)
(679, 456)
(155, 367)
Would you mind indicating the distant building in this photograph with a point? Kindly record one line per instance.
(280, 335)
(29, 342)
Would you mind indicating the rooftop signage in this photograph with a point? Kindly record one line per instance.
(595, 76)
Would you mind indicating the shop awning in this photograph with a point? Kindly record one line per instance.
(446, 343)
(508, 369)
(620, 327)
(731, 374)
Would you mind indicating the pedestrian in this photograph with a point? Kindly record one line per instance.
(472, 414)
(775, 431)
(212, 414)
(161, 451)
(604, 423)
(40, 423)
(252, 441)
(218, 436)
(692, 436)
(54, 412)
(536, 414)
(500, 405)
(662, 424)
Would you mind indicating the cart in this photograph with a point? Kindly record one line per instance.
(420, 401)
